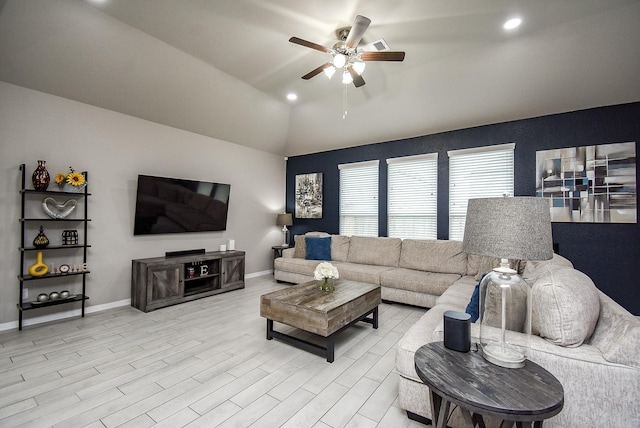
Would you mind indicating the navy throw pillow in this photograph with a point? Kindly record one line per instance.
(473, 308)
(318, 248)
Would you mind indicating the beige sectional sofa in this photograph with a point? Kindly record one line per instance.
(588, 341)
(414, 272)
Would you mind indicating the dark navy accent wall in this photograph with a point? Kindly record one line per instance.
(608, 253)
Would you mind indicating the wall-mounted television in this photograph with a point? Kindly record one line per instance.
(171, 205)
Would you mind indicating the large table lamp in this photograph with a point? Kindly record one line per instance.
(517, 228)
(285, 220)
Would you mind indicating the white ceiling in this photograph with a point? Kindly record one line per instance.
(222, 68)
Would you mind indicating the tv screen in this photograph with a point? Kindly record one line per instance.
(170, 205)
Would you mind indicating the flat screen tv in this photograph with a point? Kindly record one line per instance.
(171, 205)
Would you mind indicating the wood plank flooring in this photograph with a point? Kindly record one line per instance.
(204, 363)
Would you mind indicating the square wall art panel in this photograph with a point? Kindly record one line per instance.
(589, 184)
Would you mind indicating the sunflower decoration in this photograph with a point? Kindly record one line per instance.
(74, 178)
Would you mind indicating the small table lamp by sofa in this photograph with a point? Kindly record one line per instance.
(507, 228)
(285, 220)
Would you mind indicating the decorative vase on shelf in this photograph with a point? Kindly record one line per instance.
(41, 240)
(70, 188)
(38, 268)
(41, 177)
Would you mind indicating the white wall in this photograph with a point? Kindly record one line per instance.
(115, 148)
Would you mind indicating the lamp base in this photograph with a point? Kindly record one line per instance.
(503, 356)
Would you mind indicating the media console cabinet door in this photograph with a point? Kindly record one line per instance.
(164, 284)
(232, 271)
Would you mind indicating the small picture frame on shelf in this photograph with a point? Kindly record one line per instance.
(69, 237)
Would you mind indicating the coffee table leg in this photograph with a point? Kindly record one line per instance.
(375, 317)
(331, 343)
(269, 329)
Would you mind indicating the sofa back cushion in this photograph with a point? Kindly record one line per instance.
(374, 251)
(317, 248)
(301, 245)
(536, 269)
(340, 247)
(565, 306)
(431, 255)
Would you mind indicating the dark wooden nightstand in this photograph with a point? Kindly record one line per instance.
(277, 250)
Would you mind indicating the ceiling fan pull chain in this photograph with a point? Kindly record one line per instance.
(344, 101)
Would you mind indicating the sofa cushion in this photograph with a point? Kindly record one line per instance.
(535, 269)
(295, 265)
(300, 244)
(374, 251)
(433, 255)
(339, 247)
(300, 247)
(317, 248)
(565, 307)
(473, 307)
(418, 281)
(359, 272)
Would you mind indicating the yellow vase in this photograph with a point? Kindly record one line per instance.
(38, 268)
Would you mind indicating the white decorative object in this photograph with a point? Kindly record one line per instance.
(231, 245)
(327, 273)
(325, 270)
(57, 210)
(223, 247)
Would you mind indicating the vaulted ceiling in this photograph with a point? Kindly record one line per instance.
(223, 68)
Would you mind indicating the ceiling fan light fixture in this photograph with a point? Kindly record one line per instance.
(329, 71)
(339, 60)
(359, 66)
(346, 77)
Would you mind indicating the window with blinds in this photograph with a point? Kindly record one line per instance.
(413, 196)
(484, 172)
(359, 198)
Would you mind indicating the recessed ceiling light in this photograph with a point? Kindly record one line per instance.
(512, 23)
(291, 96)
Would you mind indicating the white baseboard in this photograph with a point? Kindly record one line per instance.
(89, 309)
(255, 274)
(63, 315)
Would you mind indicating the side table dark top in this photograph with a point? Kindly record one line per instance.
(529, 393)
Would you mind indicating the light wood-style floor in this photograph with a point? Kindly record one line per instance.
(204, 363)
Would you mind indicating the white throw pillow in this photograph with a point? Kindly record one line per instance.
(565, 307)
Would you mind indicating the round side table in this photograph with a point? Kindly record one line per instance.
(523, 396)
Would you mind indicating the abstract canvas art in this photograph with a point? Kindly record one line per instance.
(309, 195)
(589, 184)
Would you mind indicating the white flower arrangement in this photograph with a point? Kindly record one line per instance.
(325, 270)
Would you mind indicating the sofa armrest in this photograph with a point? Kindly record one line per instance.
(287, 253)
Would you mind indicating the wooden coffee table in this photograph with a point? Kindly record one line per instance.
(523, 396)
(322, 313)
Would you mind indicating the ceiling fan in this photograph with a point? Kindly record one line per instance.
(345, 53)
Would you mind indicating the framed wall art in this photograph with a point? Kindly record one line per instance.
(589, 184)
(309, 195)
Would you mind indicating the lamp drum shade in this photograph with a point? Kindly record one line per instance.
(284, 219)
(509, 228)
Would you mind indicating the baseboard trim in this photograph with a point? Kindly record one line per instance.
(63, 315)
(88, 310)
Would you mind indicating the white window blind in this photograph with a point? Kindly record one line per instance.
(359, 198)
(413, 196)
(484, 172)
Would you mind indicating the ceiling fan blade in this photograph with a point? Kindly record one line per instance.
(383, 56)
(301, 42)
(317, 71)
(357, 79)
(360, 25)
